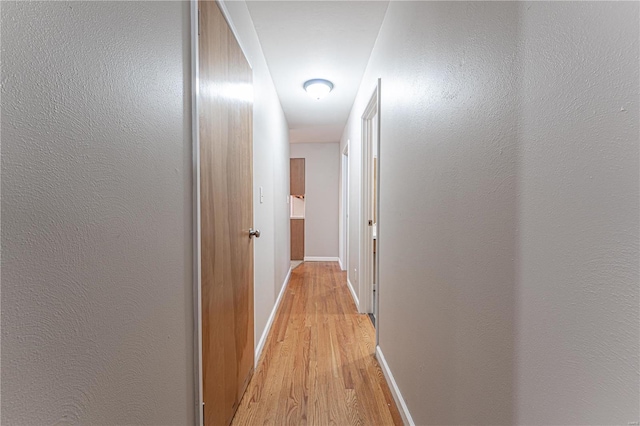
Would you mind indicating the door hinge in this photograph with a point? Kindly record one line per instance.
(370, 223)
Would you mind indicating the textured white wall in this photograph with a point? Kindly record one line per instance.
(282, 226)
(322, 168)
(281, 191)
(97, 319)
(270, 171)
(577, 288)
(509, 209)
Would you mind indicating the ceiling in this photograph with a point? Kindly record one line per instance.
(302, 40)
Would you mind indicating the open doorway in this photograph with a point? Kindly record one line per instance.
(370, 241)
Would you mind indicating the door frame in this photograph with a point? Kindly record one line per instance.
(197, 243)
(345, 206)
(366, 231)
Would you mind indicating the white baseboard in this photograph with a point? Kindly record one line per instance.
(267, 328)
(395, 391)
(353, 294)
(320, 259)
(340, 263)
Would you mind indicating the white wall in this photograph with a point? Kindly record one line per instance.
(322, 168)
(270, 171)
(509, 209)
(97, 324)
(578, 282)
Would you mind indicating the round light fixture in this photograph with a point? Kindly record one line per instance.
(318, 88)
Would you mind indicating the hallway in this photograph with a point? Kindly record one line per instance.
(318, 366)
(146, 212)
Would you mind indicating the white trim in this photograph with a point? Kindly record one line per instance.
(395, 391)
(340, 263)
(353, 293)
(197, 271)
(376, 308)
(365, 277)
(321, 259)
(267, 328)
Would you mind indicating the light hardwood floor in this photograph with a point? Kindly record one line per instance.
(318, 366)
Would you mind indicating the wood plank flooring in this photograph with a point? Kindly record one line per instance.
(318, 365)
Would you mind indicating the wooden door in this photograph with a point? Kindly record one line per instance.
(296, 167)
(297, 239)
(226, 188)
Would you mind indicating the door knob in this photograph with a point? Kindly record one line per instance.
(254, 233)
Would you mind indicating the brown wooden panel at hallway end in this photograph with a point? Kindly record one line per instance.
(297, 176)
(297, 239)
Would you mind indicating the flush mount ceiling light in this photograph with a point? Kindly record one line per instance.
(318, 88)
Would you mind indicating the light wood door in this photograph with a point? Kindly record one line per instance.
(297, 239)
(296, 167)
(225, 114)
